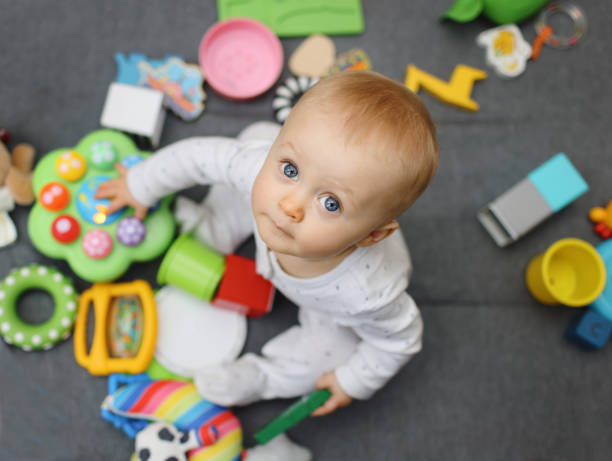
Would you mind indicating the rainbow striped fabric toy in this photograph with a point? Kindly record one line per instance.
(141, 400)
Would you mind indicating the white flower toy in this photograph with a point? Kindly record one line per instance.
(507, 51)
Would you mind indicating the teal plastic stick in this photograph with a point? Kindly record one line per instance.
(292, 415)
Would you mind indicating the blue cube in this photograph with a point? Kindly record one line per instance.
(592, 330)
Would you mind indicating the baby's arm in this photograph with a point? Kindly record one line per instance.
(203, 160)
(390, 337)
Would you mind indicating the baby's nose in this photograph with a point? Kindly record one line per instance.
(292, 209)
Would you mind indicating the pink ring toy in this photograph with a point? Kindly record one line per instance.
(240, 58)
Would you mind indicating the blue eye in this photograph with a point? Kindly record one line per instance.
(330, 204)
(290, 170)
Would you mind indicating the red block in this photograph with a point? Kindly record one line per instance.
(242, 289)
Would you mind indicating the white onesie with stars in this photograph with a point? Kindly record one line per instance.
(356, 319)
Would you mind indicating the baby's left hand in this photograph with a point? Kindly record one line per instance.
(338, 399)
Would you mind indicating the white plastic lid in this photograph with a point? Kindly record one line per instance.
(192, 334)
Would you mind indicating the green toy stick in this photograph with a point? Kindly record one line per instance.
(292, 415)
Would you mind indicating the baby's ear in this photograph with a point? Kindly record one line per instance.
(379, 234)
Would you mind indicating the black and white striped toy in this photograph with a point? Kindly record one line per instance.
(288, 94)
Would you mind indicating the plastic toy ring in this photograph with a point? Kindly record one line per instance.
(576, 15)
(40, 336)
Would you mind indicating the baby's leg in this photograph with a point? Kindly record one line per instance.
(222, 221)
(294, 360)
(289, 366)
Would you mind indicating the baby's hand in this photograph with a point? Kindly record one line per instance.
(118, 192)
(338, 398)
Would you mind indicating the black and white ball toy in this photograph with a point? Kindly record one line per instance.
(161, 441)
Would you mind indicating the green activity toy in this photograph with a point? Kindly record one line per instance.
(45, 335)
(498, 11)
(193, 267)
(69, 222)
(292, 415)
(292, 18)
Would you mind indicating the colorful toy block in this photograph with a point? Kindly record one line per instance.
(242, 289)
(592, 330)
(546, 190)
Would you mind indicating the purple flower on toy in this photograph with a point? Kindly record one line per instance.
(131, 231)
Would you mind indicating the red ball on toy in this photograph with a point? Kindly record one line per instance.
(65, 229)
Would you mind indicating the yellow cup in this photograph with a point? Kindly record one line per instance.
(569, 272)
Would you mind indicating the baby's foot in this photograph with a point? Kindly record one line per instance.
(187, 214)
(280, 448)
(208, 231)
(231, 384)
(260, 131)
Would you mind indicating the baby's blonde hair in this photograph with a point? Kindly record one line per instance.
(379, 109)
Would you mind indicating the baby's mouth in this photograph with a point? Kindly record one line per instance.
(279, 227)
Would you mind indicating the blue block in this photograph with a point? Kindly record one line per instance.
(603, 304)
(592, 330)
(558, 181)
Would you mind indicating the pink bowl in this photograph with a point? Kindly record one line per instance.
(241, 58)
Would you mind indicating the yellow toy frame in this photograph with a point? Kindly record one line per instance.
(98, 362)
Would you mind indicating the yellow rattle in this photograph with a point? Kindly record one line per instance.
(125, 329)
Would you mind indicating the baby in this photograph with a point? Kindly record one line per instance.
(322, 200)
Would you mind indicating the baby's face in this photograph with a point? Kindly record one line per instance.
(315, 196)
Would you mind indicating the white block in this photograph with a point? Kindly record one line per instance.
(135, 110)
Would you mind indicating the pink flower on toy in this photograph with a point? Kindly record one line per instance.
(97, 243)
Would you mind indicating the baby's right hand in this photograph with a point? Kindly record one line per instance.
(118, 192)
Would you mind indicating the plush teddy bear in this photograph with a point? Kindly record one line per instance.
(16, 176)
(15, 184)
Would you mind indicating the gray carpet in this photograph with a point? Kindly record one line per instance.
(496, 380)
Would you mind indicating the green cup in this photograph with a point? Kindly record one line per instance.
(193, 267)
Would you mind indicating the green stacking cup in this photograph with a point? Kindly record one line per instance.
(193, 267)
